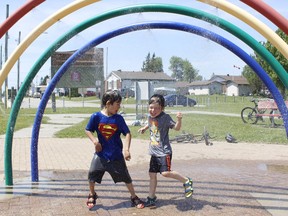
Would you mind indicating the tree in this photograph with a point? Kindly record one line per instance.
(153, 64)
(43, 81)
(254, 81)
(176, 66)
(183, 70)
(279, 57)
(189, 72)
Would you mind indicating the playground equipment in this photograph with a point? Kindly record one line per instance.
(79, 4)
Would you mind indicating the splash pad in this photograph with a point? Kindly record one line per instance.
(275, 64)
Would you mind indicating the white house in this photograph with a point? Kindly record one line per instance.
(218, 84)
(205, 88)
(126, 79)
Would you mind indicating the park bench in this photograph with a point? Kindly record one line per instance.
(270, 109)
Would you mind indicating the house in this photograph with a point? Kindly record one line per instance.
(205, 87)
(126, 79)
(218, 84)
(233, 85)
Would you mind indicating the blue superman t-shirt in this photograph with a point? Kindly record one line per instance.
(109, 130)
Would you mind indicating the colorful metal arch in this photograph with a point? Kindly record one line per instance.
(269, 13)
(123, 11)
(76, 5)
(162, 25)
(256, 24)
(274, 39)
(17, 15)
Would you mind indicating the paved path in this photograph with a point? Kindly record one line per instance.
(230, 179)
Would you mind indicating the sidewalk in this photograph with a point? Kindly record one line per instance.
(229, 179)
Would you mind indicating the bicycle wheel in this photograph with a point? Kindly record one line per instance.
(248, 115)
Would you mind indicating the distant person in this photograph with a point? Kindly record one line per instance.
(108, 147)
(160, 149)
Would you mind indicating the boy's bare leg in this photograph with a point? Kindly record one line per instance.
(131, 189)
(153, 184)
(175, 175)
(92, 188)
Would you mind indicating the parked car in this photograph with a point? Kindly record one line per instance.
(37, 95)
(127, 93)
(90, 93)
(175, 99)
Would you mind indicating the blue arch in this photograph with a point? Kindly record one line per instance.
(157, 25)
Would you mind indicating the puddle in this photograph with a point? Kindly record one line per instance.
(278, 168)
(262, 167)
(23, 186)
(274, 168)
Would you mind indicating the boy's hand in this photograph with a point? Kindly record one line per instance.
(141, 130)
(127, 155)
(98, 147)
(179, 115)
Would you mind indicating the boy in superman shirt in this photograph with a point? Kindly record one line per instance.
(109, 147)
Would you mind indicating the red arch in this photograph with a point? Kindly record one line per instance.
(269, 12)
(11, 20)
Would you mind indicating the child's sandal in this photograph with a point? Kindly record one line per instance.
(91, 202)
(136, 202)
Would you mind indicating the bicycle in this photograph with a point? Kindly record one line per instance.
(253, 114)
(193, 138)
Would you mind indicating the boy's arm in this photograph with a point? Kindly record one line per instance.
(143, 129)
(98, 146)
(127, 146)
(178, 124)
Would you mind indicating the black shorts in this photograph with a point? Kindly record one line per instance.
(117, 169)
(160, 164)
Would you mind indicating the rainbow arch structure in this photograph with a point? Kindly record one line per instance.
(230, 8)
(163, 25)
(269, 13)
(252, 21)
(17, 15)
(76, 5)
(139, 11)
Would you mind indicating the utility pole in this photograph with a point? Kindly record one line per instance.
(18, 65)
(6, 57)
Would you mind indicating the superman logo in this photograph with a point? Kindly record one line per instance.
(107, 130)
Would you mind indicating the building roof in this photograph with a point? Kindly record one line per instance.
(203, 83)
(128, 75)
(236, 79)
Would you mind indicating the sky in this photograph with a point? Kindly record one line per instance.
(127, 52)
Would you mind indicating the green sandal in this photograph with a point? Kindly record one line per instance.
(188, 188)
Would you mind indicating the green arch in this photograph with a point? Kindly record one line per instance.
(176, 9)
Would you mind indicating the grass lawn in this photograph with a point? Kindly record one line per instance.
(217, 125)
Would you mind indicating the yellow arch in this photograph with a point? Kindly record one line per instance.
(263, 29)
(38, 31)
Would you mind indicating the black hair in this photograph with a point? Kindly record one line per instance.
(111, 96)
(157, 98)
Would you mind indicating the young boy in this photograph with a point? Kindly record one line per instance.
(108, 146)
(160, 149)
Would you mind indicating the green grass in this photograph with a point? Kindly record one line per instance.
(217, 126)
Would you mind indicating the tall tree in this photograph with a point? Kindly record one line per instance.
(254, 81)
(189, 72)
(176, 66)
(280, 58)
(183, 70)
(153, 64)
